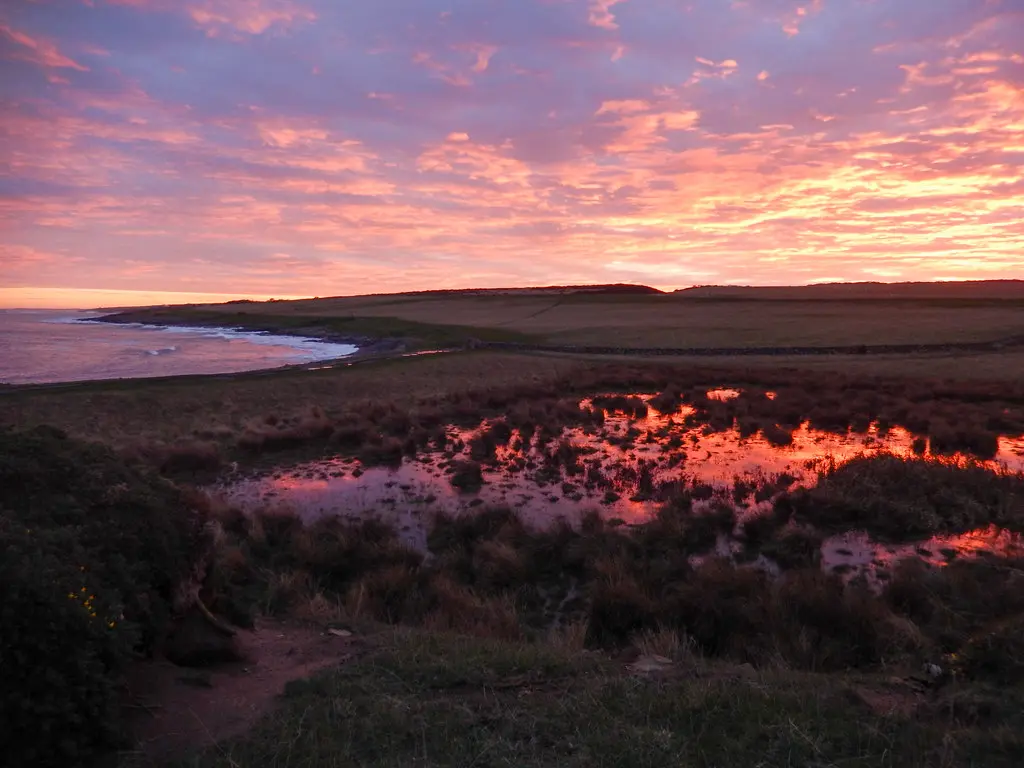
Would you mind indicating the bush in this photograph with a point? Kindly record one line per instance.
(467, 475)
(996, 654)
(91, 554)
(903, 499)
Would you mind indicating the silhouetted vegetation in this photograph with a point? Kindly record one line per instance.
(908, 498)
(93, 557)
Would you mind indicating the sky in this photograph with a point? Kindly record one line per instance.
(225, 148)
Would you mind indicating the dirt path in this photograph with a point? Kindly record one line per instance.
(175, 710)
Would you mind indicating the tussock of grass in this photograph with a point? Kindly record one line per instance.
(946, 439)
(190, 457)
(467, 475)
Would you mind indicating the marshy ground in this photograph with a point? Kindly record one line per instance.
(808, 563)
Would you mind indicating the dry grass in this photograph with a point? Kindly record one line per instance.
(1004, 367)
(382, 412)
(210, 408)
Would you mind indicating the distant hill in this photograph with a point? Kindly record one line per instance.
(975, 289)
(611, 288)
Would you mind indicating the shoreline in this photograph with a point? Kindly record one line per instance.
(365, 345)
(367, 350)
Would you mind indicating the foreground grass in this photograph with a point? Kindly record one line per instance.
(437, 699)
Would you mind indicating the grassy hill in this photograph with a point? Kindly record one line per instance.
(977, 290)
(641, 318)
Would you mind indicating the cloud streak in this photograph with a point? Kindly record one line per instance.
(186, 146)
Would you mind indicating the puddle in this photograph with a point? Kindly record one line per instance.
(620, 468)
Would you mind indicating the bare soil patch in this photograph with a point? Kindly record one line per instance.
(175, 711)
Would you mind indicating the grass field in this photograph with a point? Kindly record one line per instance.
(435, 699)
(673, 320)
(139, 410)
(403, 398)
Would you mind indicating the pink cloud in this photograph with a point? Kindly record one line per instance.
(39, 50)
(484, 54)
(253, 17)
(600, 13)
(730, 152)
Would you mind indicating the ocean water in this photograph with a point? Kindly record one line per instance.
(45, 346)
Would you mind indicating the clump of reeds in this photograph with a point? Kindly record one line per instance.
(627, 405)
(668, 400)
(281, 434)
(907, 498)
(467, 475)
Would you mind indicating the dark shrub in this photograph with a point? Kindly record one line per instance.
(724, 609)
(619, 609)
(777, 435)
(908, 498)
(976, 442)
(467, 476)
(501, 431)
(796, 548)
(759, 528)
(483, 446)
(633, 407)
(388, 451)
(668, 401)
(196, 456)
(822, 624)
(997, 653)
(91, 554)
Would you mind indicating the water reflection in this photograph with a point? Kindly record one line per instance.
(726, 394)
(622, 468)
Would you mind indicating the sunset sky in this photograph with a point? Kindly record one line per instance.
(324, 147)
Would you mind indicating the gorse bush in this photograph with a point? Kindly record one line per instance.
(63, 636)
(91, 552)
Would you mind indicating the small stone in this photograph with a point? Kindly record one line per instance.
(652, 663)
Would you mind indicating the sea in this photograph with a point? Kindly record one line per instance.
(44, 346)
